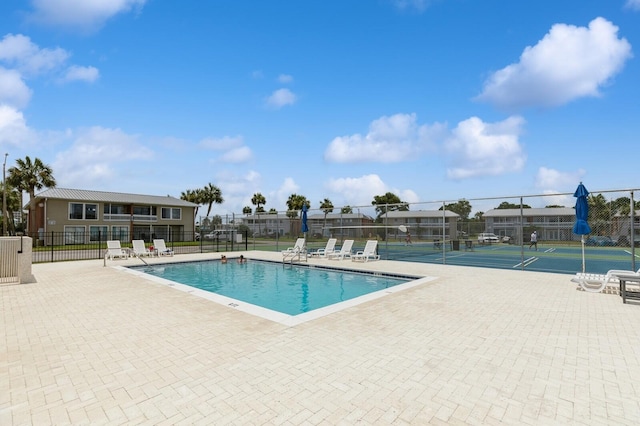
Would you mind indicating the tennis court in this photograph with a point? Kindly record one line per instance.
(548, 257)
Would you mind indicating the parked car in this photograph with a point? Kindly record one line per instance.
(487, 238)
(211, 235)
(506, 239)
(600, 241)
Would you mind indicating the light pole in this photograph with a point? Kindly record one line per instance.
(4, 195)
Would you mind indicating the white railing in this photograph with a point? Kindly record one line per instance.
(127, 218)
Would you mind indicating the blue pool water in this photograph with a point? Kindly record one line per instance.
(291, 290)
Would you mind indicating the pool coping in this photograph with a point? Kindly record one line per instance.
(275, 316)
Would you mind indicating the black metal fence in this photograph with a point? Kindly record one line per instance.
(64, 246)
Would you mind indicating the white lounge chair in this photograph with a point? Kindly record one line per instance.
(115, 251)
(162, 249)
(595, 283)
(369, 252)
(139, 248)
(345, 251)
(299, 249)
(328, 249)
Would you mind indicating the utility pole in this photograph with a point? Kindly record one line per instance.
(4, 195)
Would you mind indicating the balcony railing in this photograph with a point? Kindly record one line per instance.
(127, 218)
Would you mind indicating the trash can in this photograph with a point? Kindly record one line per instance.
(456, 245)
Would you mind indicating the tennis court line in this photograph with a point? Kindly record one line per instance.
(527, 262)
(629, 252)
(550, 250)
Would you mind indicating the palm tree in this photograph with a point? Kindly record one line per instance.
(258, 200)
(193, 196)
(327, 207)
(13, 205)
(295, 203)
(29, 176)
(211, 194)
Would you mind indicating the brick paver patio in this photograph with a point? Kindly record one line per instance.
(89, 344)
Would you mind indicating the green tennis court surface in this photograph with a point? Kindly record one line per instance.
(548, 258)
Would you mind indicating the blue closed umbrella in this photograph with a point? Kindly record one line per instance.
(305, 228)
(581, 227)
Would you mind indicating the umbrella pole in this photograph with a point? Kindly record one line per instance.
(582, 243)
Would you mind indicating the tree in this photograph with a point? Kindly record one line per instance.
(346, 210)
(273, 211)
(13, 205)
(462, 208)
(599, 214)
(295, 203)
(211, 194)
(327, 207)
(388, 202)
(247, 210)
(507, 205)
(193, 196)
(258, 200)
(31, 176)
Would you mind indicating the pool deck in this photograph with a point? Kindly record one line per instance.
(89, 344)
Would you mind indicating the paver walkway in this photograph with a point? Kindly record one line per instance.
(89, 344)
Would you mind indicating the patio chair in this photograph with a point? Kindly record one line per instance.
(139, 249)
(369, 252)
(345, 251)
(595, 283)
(115, 251)
(329, 248)
(162, 249)
(297, 250)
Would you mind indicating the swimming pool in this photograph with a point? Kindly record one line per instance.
(274, 291)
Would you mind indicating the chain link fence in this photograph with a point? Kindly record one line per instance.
(490, 232)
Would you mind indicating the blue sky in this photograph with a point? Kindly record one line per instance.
(338, 99)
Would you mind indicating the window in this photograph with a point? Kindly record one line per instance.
(74, 234)
(144, 210)
(117, 209)
(120, 233)
(75, 211)
(98, 233)
(83, 211)
(171, 213)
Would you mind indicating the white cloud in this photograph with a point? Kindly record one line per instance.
(281, 98)
(359, 190)
(419, 5)
(232, 148)
(476, 148)
(633, 4)
(99, 156)
(390, 139)
(83, 14)
(20, 52)
(237, 155)
(222, 144)
(76, 73)
(551, 179)
(568, 63)
(13, 127)
(285, 78)
(278, 199)
(13, 90)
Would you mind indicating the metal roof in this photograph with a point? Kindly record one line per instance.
(550, 211)
(396, 214)
(112, 197)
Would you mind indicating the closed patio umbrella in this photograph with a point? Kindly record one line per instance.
(305, 228)
(581, 227)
